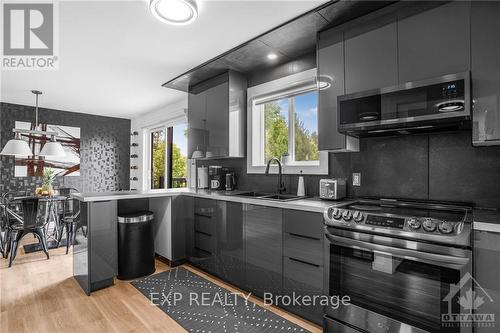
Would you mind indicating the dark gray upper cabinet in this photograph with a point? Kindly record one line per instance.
(217, 116)
(486, 263)
(263, 249)
(371, 57)
(485, 52)
(217, 99)
(435, 42)
(330, 64)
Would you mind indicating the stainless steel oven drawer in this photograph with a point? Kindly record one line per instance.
(333, 326)
(370, 321)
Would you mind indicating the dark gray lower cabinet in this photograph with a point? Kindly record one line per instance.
(487, 275)
(263, 247)
(204, 237)
(262, 250)
(94, 267)
(303, 262)
(230, 243)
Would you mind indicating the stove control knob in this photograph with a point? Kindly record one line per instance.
(414, 224)
(445, 227)
(429, 225)
(358, 216)
(347, 215)
(330, 212)
(334, 213)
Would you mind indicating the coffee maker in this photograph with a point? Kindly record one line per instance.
(216, 177)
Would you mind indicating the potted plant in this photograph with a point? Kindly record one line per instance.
(48, 178)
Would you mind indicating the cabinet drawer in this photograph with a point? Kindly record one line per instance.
(303, 276)
(204, 207)
(204, 224)
(303, 248)
(204, 242)
(303, 223)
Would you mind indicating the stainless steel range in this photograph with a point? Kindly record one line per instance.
(401, 263)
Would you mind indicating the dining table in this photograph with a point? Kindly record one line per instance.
(49, 213)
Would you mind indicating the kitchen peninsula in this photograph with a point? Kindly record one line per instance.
(95, 252)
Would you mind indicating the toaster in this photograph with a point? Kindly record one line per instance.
(332, 189)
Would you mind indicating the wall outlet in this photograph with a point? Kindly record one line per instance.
(356, 179)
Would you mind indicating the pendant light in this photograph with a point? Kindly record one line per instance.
(19, 147)
(16, 147)
(52, 148)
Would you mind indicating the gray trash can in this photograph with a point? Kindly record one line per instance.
(136, 247)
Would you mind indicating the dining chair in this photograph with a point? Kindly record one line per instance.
(3, 230)
(28, 223)
(70, 217)
(8, 200)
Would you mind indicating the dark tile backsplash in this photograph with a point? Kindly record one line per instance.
(463, 173)
(394, 167)
(105, 149)
(441, 166)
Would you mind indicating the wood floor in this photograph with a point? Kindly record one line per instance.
(40, 295)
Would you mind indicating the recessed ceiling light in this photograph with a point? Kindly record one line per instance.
(272, 56)
(177, 12)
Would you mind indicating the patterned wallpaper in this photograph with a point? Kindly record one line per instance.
(105, 149)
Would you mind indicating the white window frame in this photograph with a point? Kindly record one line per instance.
(147, 167)
(295, 84)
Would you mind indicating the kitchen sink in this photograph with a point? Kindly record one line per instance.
(283, 197)
(251, 194)
(269, 196)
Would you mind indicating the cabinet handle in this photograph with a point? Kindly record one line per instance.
(304, 262)
(208, 252)
(203, 215)
(302, 236)
(203, 233)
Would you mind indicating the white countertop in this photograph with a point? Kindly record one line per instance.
(308, 204)
(484, 220)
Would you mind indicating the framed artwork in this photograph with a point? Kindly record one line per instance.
(68, 165)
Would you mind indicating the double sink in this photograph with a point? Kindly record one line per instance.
(268, 196)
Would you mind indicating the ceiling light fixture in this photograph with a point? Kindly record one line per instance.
(272, 56)
(176, 12)
(19, 147)
(323, 82)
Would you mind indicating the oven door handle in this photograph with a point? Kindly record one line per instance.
(434, 258)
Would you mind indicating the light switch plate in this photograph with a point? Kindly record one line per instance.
(356, 179)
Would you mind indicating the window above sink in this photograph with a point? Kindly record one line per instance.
(283, 119)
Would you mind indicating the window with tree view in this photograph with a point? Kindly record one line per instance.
(169, 157)
(291, 127)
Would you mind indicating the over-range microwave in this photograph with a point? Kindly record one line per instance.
(422, 106)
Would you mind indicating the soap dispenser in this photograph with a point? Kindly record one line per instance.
(300, 187)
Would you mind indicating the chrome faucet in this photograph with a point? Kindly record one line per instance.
(281, 186)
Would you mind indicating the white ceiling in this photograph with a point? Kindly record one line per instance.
(115, 55)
